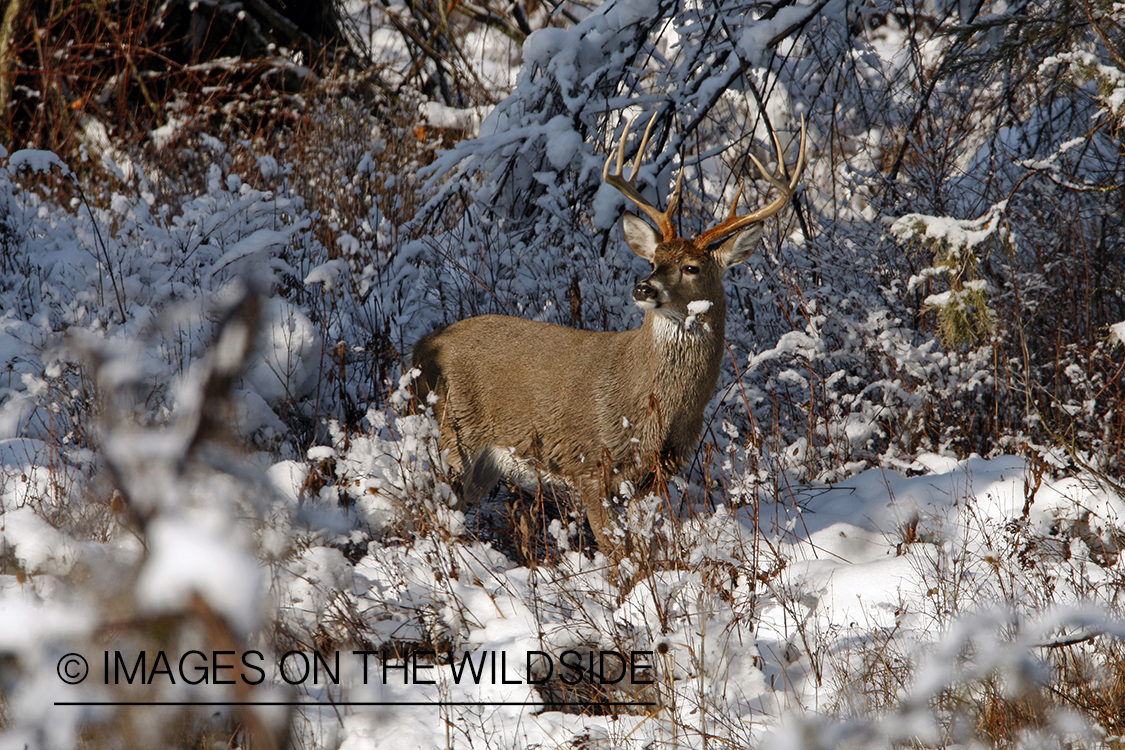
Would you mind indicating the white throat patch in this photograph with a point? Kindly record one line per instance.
(669, 330)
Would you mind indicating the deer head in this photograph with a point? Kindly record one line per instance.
(687, 270)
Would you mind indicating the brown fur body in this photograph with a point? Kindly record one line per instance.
(588, 409)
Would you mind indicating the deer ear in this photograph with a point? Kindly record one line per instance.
(739, 247)
(640, 236)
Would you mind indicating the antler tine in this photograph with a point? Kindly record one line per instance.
(733, 222)
(640, 149)
(781, 163)
(628, 187)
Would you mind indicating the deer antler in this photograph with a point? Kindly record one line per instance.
(628, 187)
(733, 222)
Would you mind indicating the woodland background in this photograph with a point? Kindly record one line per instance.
(223, 225)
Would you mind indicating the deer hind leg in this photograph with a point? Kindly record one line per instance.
(596, 490)
(481, 473)
(475, 471)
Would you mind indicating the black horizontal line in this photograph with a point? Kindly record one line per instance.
(589, 704)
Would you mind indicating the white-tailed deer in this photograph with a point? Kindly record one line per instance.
(594, 410)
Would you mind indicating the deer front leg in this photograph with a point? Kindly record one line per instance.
(597, 495)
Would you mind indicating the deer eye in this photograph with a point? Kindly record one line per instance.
(691, 270)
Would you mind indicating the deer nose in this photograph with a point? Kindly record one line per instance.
(644, 291)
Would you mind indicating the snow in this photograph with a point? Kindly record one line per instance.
(563, 143)
(755, 37)
(698, 307)
(186, 559)
(959, 234)
(287, 362)
(453, 118)
(1117, 332)
(849, 572)
(36, 161)
(38, 547)
(327, 273)
(26, 622)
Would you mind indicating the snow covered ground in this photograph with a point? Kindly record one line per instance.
(782, 612)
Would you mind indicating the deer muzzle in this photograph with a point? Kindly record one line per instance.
(645, 294)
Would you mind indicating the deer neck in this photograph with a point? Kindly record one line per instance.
(701, 332)
(685, 356)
